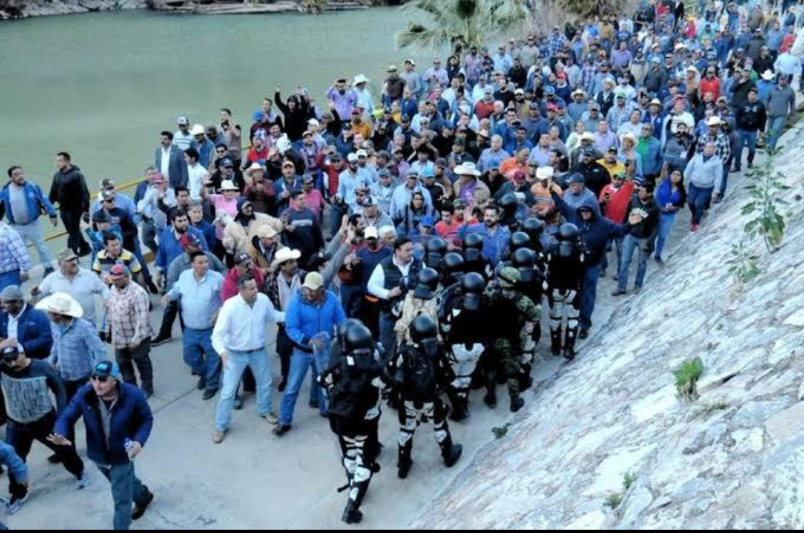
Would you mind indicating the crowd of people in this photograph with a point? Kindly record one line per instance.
(402, 241)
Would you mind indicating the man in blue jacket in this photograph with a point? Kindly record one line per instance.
(118, 422)
(23, 202)
(24, 327)
(311, 320)
(596, 231)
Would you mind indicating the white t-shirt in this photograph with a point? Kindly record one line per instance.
(195, 181)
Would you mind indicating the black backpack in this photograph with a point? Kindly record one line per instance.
(420, 373)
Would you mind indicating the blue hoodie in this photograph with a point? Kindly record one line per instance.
(596, 232)
(35, 199)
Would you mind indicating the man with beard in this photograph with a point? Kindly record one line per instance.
(495, 236)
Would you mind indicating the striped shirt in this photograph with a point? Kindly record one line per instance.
(76, 350)
(13, 254)
(127, 316)
(103, 263)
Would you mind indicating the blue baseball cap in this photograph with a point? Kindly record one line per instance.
(107, 369)
(428, 222)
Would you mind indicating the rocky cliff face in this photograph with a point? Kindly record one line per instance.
(734, 459)
(10, 9)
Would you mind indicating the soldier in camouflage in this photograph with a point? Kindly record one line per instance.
(513, 317)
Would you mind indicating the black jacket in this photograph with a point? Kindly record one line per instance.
(69, 189)
(648, 225)
(752, 117)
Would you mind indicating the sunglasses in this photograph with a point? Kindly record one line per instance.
(101, 379)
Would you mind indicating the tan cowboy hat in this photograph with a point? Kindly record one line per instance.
(61, 303)
(284, 255)
(254, 166)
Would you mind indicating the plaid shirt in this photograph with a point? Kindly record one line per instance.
(588, 76)
(76, 350)
(127, 316)
(556, 42)
(13, 254)
(722, 146)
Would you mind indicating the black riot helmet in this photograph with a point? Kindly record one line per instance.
(344, 327)
(568, 240)
(520, 240)
(435, 249)
(508, 204)
(427, 284)
(535, 228)
(524, 260)
(472, 285)
(423, 329)
(358, 339)
(453, 267)
(472, 247)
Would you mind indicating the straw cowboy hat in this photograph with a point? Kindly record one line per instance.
(61, 303)
(284, 255)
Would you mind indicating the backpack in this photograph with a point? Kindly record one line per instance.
(420, 373)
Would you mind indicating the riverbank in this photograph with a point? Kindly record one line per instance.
(20, 9)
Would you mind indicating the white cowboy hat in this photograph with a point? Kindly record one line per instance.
(61, 303)
(466, 169)
(254, 166)
(360, 78)
(284, 255)
(713, 121)
(544, 173)
(228, 185)
(767, 75)
(198, 129)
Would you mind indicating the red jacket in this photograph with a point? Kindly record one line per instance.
(710, 87)
(617, 205)
(230, 289)
(333, 173)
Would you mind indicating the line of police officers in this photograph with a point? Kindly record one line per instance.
(466, 323)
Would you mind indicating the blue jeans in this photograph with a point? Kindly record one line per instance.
(10, 278)
(32, 234)
(197, 344)
(236, 363)
(631, 244)
(618, 244)
(665, 227)
(589, 295)
(699, 198)
(749, 138)
(775, 129)
(300, 362)
(126, 489)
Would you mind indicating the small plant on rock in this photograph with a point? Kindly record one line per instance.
(765, 203)
(743, 264)
(687, 377)
(613, 500)
(628, 480)
(708, 409)
(500, 432)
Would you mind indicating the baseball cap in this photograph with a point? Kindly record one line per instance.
(242, 258)
(428, 222)
(106, 369)
(313, 281)
(182, 121)
(66, 255)
(227, 163)
(369, 201)
(371, 233)
(188, 239)
(352, 158)
(107, 183)
(118, 272)
(106, 195)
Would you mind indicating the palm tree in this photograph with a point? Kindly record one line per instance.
(465, 22)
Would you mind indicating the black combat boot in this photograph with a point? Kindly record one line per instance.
(450, 452)
(405, 460)
(555, 342)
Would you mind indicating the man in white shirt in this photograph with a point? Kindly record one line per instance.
(197, 175)
(78, 282)
(239, 339)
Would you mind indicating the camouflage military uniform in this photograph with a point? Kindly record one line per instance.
(514, 317)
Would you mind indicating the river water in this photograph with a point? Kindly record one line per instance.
(102, 86)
